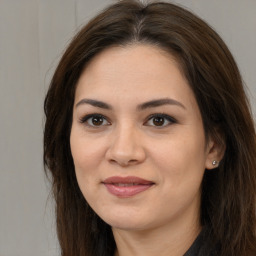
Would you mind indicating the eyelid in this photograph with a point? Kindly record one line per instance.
(84, 119)
(169, 118)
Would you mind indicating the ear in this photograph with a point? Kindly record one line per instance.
(215, 151)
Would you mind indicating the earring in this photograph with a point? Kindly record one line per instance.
(215, 163)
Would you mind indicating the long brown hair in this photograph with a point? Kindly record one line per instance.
(228, 207)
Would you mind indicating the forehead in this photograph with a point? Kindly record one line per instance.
(133, 71)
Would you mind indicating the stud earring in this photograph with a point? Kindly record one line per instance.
(215, 163)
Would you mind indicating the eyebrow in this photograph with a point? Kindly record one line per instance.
(143, 106)
(95, 103)
(159, 102)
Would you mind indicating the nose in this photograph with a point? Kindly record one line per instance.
(126, 147)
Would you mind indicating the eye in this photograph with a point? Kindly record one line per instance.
(160, 120)
(94, 120)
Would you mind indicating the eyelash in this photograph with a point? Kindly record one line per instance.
(85, 120)
(167, 118)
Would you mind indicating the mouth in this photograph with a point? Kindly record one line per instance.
(126, 186)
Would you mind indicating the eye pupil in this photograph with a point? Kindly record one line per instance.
(158, 121)
(97, 120)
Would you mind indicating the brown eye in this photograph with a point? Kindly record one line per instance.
(158, 121)
(97, 120)
(94, 120)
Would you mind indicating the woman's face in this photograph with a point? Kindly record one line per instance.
(137, 139)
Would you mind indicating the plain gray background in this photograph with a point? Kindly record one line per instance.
(33, 34)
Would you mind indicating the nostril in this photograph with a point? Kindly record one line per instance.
(123, 162)
(133, 161)
(112, 161)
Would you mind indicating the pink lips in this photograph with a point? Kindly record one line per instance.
(126, 186)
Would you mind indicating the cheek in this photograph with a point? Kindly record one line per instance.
(86, 155)
(181, 169)
(181, 161)
(86, 151)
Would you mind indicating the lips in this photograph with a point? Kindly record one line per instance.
(126, 186)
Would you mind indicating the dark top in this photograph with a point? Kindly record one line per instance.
(195, 247)
(198, 248)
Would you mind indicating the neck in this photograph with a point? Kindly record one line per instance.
(172, 240)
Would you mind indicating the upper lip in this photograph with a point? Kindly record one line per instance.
(127, 180)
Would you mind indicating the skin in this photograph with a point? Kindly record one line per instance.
(164, 219)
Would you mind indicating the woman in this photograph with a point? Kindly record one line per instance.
(149, 138)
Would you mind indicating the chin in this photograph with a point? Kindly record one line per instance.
(127, 222)
(129, 226)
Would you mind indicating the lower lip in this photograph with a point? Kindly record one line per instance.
(126, 191)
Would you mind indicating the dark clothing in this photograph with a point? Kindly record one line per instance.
(198, 248)
(195, 247)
